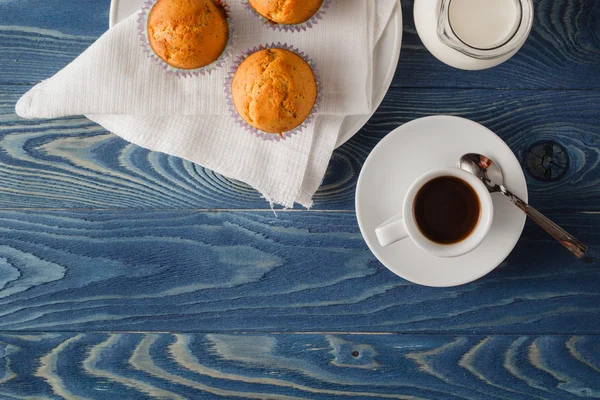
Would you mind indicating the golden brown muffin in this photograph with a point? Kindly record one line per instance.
(286, 11)
(274, 90)
(188, 34)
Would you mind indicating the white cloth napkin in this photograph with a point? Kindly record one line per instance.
(114, 84)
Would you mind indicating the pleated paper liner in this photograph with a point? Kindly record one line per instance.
(179, 72)
(314, 20)
(240, 121)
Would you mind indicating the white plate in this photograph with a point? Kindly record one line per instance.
(405, 154)
(385, 60)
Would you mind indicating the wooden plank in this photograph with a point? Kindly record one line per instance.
(315, 366)
(74, 163)
(301, 271)
(40, 37)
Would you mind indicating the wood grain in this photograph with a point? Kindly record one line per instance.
(302, 271)
(40, 37)
(73, 163)
(563, 50)
(292, 366)
(141, 251)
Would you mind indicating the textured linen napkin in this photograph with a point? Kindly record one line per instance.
(114, 84)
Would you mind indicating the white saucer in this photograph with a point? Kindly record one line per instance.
(385, 60)
(405, 154)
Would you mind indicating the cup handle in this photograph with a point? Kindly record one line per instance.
(391, 231)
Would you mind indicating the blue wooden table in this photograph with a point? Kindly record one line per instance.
(128, 274)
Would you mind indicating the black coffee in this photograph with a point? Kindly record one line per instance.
(446, 210)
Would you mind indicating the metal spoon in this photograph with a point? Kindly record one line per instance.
(491, 175)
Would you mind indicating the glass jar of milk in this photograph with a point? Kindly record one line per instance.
(473, 34)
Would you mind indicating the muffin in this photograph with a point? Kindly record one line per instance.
(274, 90)
(188, 34)
(287, 11)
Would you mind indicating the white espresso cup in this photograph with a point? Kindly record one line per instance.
(404, 224)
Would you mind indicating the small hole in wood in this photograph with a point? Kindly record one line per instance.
(355, 353)
(547, 161)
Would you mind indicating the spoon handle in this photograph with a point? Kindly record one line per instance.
(558, 233)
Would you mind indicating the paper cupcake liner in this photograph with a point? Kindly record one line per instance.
(179, 72)
(240, 121)
(290, 27)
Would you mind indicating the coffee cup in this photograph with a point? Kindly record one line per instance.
(446, 212)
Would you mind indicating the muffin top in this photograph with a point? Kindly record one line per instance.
(274, 90)
(287, 11)
(188, 34)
